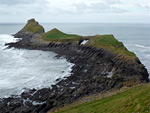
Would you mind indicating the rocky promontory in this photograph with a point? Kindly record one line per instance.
(101, 63)
(31, 29)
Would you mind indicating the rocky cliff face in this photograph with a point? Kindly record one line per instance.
(95, 70)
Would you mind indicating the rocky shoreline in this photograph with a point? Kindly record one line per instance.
(95, 70)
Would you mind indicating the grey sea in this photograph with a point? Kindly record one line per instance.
(21, 69)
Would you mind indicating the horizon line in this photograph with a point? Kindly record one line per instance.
(77, 23)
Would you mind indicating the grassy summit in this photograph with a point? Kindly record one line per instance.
(33, 27)
(110, 43)
(134, 100)
(58, 36)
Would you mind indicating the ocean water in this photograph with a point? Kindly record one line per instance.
(20, 69)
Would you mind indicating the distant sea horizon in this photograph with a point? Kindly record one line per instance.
(77, 22)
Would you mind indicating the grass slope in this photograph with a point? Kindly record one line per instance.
(134, 100)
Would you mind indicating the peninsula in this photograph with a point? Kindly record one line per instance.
(102, 63)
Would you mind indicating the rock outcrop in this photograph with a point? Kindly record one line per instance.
(95, 70)
(31, 29)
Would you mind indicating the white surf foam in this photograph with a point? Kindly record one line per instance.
(142, 46)
(84, 42)
(21, 69)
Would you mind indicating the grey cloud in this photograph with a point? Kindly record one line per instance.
(106, 8)
(80, 8)
(118, 10)
(23, 7)
(14, 2)
(147, 7)
(113, 1)
(98, 8)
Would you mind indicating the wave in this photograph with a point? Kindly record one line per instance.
(6, 38)
(138, 45)
(141, 46)
(21, 68)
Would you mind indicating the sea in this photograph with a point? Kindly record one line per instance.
(22, 69)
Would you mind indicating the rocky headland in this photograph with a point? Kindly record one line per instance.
(101, 63)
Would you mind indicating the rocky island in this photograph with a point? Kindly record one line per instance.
(101, 63)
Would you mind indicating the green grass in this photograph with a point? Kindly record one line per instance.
(56, 35)
(108, 40)
(110, 43)
(134, 100)
(33, 26)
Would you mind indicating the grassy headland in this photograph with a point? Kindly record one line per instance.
(133, 100)
(107, 42)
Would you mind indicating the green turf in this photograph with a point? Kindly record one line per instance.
(135, 100)
(108, 40)
(110, 43)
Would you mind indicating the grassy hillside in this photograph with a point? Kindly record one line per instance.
(134, 100)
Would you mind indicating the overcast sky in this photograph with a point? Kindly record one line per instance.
(76, 11)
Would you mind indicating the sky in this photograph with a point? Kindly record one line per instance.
(75, 11)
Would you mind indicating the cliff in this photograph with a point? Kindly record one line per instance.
(101, 63)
